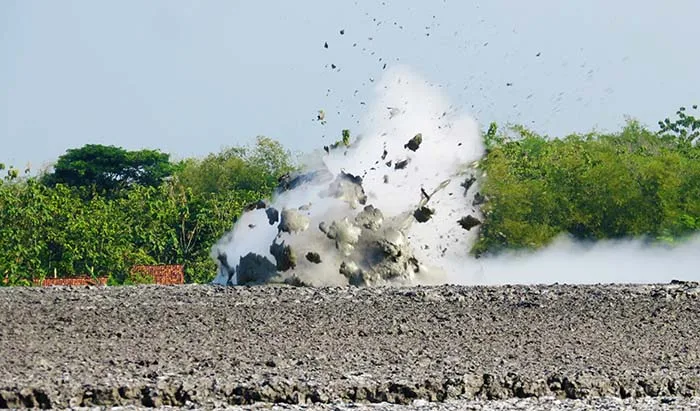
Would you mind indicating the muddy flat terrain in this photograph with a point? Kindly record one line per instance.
(211, 346)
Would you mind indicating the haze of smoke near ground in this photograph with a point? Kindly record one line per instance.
(406, 105)
(605, 262)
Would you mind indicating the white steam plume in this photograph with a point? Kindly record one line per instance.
(604, 262)
(405, 106)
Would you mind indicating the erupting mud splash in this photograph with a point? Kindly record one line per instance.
(400, 206)
(397, 206)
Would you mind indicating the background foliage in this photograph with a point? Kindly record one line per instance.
(103, 209)
(634, 183)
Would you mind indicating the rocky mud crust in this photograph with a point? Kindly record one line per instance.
(446, 347)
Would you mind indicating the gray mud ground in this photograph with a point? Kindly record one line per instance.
(601, 347)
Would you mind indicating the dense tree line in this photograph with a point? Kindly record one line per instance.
(634, 183)
(102, 209)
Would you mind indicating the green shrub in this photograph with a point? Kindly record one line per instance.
(635, 183)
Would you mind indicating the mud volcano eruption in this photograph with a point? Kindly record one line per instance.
(390, 208)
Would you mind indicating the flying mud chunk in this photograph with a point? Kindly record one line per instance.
(345, 234)
(347, 187)
(400, 165)
(389, 259)
(353, 273)
(313, 257)
(370, 218)
(393, 244)
(255, 269)
(291, 181)
(284, 255)
(256, 205)
(423, 214)
(468, 183)
(414, 143)
(468, 222)
(273, 215)
(292, 221)
(479, 199)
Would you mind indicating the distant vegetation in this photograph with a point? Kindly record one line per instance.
(634, 183)
(103, 209)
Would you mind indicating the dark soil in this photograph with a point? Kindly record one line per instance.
(204, 345)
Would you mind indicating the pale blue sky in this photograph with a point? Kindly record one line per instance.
(190, 77)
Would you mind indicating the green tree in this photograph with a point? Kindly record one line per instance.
(634, 183)
(685, 128)
(254, 169)
(109, 169)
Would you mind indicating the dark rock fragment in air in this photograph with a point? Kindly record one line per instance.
(467, 183)
(283, 255)
(325, 45)
(313, 257)
(478, 199)
(255, 269)
(400, 165)
(468, 222)
(293, 180)
(323, 227)
(423, 214)
(273, 215)
(414, 143)
(256, 205)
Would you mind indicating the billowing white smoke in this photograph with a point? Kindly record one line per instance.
(604, 262)
(405, 106)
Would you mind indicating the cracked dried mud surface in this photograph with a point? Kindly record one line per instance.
(215, 346)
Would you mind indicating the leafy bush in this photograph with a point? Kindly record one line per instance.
(109, 169)
(635, 183)
(50, 227)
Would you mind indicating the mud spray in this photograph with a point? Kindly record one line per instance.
(400, 205)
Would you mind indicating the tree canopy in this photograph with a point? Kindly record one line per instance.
(109, 169)
(237, 169)
(632, 183)
(51, 228)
